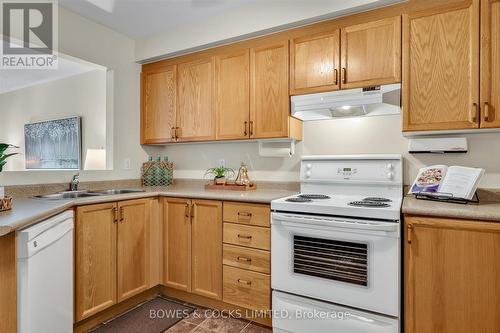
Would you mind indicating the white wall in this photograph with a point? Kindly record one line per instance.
(82, 95)
(87, 40)
(257, 16)
(372, 135)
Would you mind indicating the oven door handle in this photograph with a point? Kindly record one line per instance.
(288, 220)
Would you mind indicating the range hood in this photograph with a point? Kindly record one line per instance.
(361, 102)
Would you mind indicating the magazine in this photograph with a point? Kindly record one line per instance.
(457, 181)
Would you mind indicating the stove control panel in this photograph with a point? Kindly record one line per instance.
(356, 169)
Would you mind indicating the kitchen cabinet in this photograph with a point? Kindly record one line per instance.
(206, 257)
(246, 254)
(95, 259)
(451, 275)
(371, 53)
(111, 254)
(193, 246)
(158, 105)
(441, 68)
(269, 99)
(196, 100)
(177, 243)
(133, 248)
(315, 63)
(233, 95)
(490, 64)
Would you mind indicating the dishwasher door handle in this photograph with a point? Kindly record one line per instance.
(45, 239)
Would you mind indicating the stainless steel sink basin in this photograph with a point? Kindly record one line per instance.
(118, 191)
(86, 194)
(67, 195)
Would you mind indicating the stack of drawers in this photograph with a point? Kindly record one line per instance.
(246, 256)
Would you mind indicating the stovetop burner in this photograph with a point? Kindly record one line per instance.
(298, 199)
(371, 204)
(314, 196)
(377, 199)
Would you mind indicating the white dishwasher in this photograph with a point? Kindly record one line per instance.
(45, 276)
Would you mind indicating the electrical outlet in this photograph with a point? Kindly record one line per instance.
(222, 162)
(126, 164)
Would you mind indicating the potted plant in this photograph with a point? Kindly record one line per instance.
(4, 202)
(220, 174)
(3, 155)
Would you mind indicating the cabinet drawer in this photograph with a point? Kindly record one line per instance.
(251, 259)
(252, 214)
(247, 289)
(244, 235)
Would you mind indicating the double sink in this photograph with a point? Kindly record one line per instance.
(85, 194)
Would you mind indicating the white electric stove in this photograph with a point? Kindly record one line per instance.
(336, 246)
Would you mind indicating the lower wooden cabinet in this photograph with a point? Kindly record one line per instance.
(95, 259)
(452, 276)
(111, 254)
(246, 288)
(193, 246)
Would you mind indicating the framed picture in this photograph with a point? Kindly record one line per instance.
(54, 144)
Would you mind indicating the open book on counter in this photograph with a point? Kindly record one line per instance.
(456, 181)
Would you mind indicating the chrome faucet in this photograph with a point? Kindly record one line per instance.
(73, 186)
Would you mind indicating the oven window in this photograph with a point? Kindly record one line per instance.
(331, 259)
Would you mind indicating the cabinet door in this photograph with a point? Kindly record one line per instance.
(371, 53)
(441, 69)
(315, 63)
(269, 99)
(452, 276)
(490, 63)
(233, 95)
(95, 259)
(158, 101)
(177, 243)
(206, 259)
(196, 111)
(133, 247)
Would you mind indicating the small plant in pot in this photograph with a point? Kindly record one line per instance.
(3, 155)
(220, 174)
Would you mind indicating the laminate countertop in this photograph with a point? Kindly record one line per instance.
(28, 211)
(482, 211)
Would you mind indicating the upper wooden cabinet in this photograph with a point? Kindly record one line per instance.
(451, 276)
(196, 100)
(158, 105)
(441, 69)
(95, 259)
(232, 72)
(133, 247)
(269, 101)
(315, 63)
(371, 53)
(490, 63)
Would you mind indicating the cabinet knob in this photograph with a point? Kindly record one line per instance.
(487, 115)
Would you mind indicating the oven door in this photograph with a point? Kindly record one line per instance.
(341, 260)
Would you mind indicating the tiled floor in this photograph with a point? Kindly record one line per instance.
(203, 320)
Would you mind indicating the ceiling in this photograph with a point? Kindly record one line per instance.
(144, 18)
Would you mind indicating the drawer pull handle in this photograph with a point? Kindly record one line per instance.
(244, 259)
(244, 236)
(244, 214)
(248, 283)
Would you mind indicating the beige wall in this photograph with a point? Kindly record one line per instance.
(87, 40)
(374, 135)
(81, 95)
